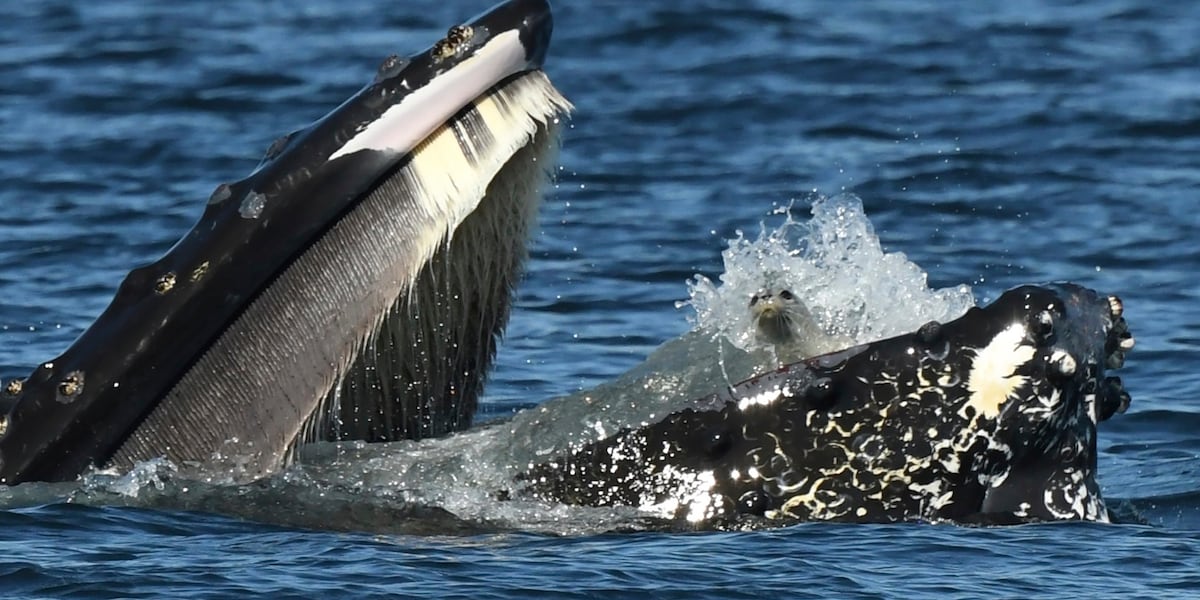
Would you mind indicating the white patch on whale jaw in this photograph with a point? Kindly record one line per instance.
(993, 379)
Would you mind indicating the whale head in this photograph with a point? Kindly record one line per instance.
(352, 286)
(989, 418)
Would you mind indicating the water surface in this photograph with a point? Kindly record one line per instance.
(1021, 142)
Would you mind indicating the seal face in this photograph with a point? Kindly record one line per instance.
(784, 322)
(775, 313)
(975, 420)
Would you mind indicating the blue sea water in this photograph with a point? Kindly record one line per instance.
(992, 144)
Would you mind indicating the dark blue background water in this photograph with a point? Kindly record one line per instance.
(995, 145)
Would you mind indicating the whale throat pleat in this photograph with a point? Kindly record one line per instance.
(385, 327)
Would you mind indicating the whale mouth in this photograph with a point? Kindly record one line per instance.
(352, 286)
(989, 418)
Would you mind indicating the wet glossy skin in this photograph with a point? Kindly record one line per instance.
(989, 418)
(77, 409)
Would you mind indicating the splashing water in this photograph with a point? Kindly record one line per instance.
(836, 266)
(834, 263)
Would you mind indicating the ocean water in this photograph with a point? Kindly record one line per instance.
(991, 145)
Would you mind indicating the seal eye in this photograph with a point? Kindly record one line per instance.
(754, 299)
(786, 295)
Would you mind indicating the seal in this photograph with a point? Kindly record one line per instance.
(351, 287)
(784, 322)
(990, 418)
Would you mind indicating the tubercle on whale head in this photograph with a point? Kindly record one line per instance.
(979, 419)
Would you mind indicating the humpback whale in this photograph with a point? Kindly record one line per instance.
(990, 418)
(351, 287)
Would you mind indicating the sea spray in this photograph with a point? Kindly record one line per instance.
(835, 264)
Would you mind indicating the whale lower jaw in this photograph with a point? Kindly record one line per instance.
(385, 327)
(352, 286)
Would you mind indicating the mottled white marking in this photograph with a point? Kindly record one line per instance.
(993, 378)
(942, 501)
(933, 488)
(1092, 408)
(951, 463)
(1064, 362)
(1046, 406)
(999, 480)
(1023, 509)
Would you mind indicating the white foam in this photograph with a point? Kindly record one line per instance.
(835, 264)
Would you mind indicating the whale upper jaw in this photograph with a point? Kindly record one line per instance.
(990, 418)
(237, 341)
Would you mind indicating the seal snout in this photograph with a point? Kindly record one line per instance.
(772, 314)
(766, 301)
